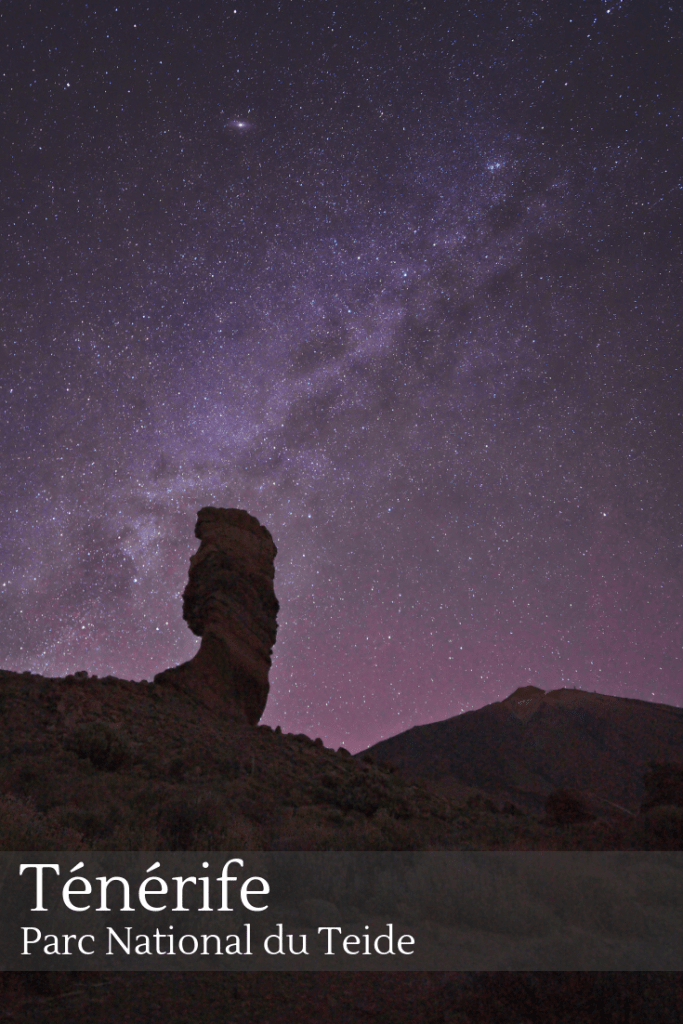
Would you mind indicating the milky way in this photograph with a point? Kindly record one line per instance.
(402, 282)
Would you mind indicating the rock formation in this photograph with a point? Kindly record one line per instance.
(230, 603)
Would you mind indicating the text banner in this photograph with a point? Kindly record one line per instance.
(465, 911)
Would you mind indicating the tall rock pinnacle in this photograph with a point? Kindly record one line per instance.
(230, 603)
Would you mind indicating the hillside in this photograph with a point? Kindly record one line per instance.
(522, 748)
(179, 763)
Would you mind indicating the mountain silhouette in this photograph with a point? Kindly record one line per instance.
(524, 747)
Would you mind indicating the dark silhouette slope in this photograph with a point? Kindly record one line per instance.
(179, 764)
(524, 747)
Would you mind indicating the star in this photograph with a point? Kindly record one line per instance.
(394, 290)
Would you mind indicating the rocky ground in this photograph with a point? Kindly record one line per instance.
(89, 764)
(114, 765)
(389, 998)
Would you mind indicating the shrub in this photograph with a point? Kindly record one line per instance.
(233, 768)
(566, 807)
(660, 828)
(91, 822)
(513, 809)
(33, 778)
(101, 744)
(663, 785)
(477, 802)
(184, 817)
(365, 795)
(176, 769)
(22, 828)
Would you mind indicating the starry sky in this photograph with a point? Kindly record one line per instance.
(403, 280)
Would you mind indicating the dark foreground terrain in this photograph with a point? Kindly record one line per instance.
(90, 764)
(390, 998)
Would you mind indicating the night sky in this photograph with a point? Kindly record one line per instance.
(405, 282)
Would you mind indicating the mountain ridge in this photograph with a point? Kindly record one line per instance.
(179, 763)
(534, 741)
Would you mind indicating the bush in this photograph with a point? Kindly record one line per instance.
(566, 807)
(177, 769)
(101, 744)
(663, 786)
(512, 809)
(660, 828)
(477, 803)
(92, 823)
(184, 817)
(365, 795)
(22, 828)
(34, 778)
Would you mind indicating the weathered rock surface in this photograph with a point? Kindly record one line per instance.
(230, 603)
(524, 747)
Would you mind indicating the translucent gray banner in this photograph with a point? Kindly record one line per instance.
(341, 911)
